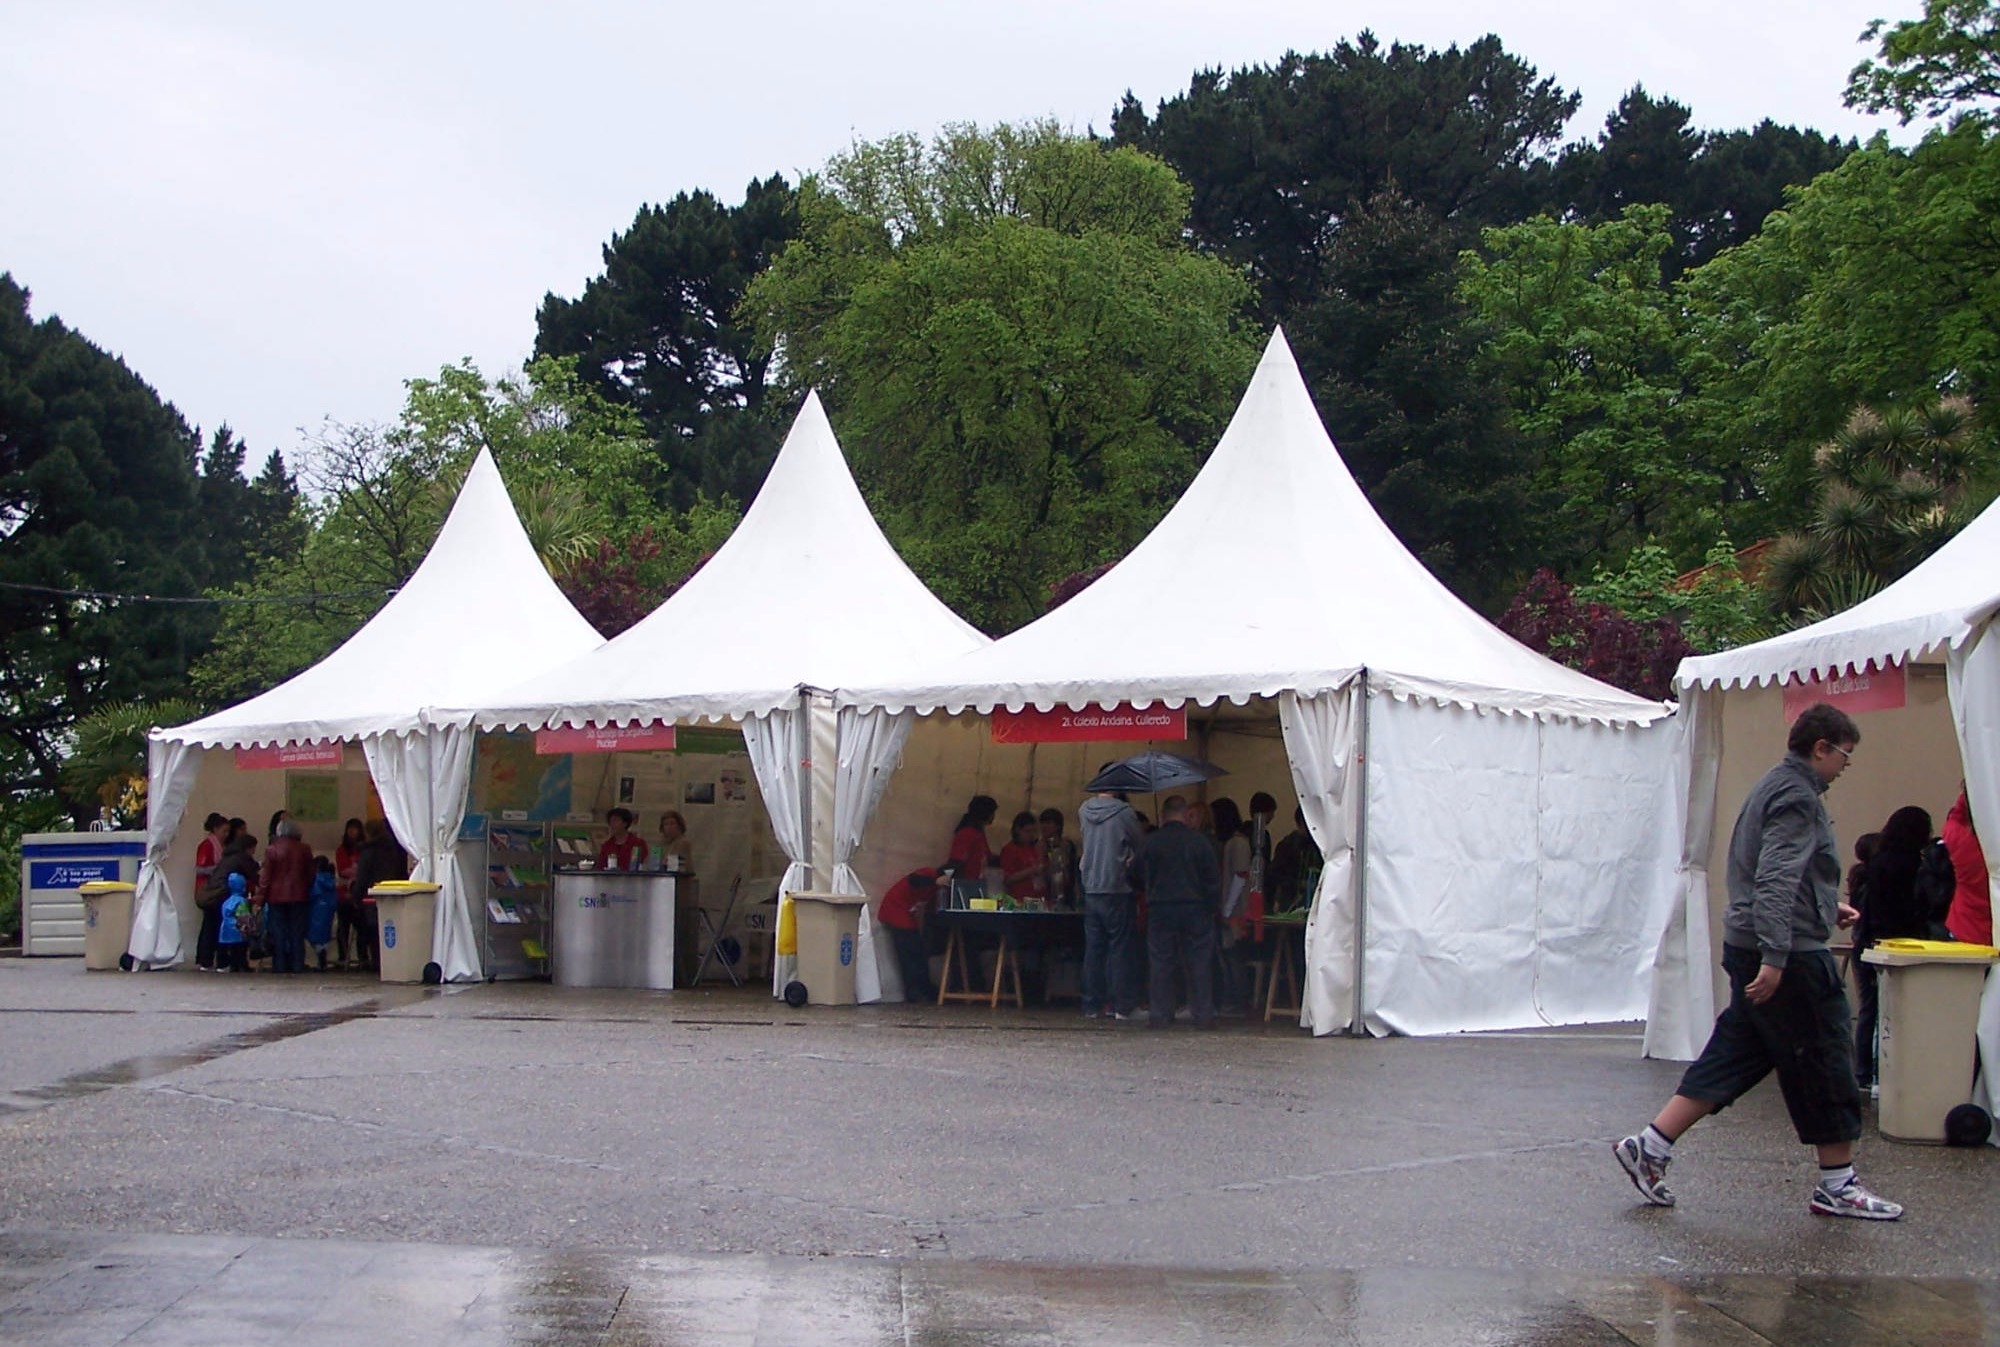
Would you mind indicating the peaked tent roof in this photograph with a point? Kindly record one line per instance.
(1272, 573)
(1942, 602)
(806, 592)
(479, 612)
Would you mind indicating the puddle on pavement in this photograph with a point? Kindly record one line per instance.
(151, 1066)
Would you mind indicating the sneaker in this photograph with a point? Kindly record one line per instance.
(1853, 1200)
(1649, 1176)
(1124, 1015)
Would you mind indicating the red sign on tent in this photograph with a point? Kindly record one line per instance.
(1092, 724)
(289, 755)
(604, 739)
(1872, 689)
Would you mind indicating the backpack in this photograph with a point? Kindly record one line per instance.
(1936, 882)
(212, 894)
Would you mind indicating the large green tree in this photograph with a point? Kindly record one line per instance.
(1422, 423)
(1594, 352)
(1719, 185)
(1025, 359)
(659, 331)
(98, 498)
(1945, 64)
(1279, 156)
(1879, 284)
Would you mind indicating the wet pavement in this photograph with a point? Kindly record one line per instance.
(169, 1291)
(263, 1159)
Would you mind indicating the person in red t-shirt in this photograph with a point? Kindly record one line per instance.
(1021, 862)
(969, 848)
(623, 849)
(1971, 916)
(902, 911)
(206, 857)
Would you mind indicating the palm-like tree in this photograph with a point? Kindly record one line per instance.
(1892, 487)
(107, 757)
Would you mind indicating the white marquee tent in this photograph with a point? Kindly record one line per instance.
(1492, 822)
(1941, 613)
(806, 595)
(435, 642)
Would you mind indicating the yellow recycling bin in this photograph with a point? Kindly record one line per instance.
(1929, 997)
(829, 926)
(107, 922)
(406, 913)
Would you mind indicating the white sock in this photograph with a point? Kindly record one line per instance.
(1655, 1143)
(1835, 1177)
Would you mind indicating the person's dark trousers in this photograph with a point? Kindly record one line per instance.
(1804, 1033)
(367, 939)
(204, 944)
(1108, 981)
(347, 930)
(914, 963)
(235, 958)
(288, 936)
(1233, 959)
(1181, 935)
(1865, 1018)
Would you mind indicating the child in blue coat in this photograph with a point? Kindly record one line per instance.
(232, 948)
(323, 903)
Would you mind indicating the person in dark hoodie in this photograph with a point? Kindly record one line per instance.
(1112, 834)
(1181, 872)
(1892, 910)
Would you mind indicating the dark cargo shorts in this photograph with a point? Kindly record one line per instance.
(1803, 1032)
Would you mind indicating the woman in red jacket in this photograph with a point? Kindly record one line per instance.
(1971, 916)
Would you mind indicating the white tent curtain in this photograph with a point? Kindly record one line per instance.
(171, 769)
(773, 742)
(423, 779)
(1973, 671)
(1322, 741)
(870, 744)
(1681, 1006)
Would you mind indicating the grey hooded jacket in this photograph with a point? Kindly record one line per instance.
(1111, 837)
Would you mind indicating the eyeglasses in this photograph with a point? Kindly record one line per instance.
(1846, 754)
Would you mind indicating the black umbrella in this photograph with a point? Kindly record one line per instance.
(1154, 771)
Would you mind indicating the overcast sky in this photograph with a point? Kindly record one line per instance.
(278, 212)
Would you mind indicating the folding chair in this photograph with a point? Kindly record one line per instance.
(711, 935)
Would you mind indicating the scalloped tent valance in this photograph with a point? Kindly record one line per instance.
(1937, 606)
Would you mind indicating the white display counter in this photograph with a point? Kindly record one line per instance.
(614, 928)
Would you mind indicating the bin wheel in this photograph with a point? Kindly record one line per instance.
(1967, 1125)
(433, 974)
(795, 994)
(126, 963)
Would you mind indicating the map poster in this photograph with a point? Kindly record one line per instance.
(510, 780)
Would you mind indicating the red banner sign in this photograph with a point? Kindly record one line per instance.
(1093, 723)
(604, 739)
(289, 755)
(1872, 689)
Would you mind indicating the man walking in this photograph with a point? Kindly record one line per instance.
(1111, 837)
(1787, 1008)
(1181, 872)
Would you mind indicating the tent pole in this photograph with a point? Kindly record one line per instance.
(803, 764)
(1360, 1025)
